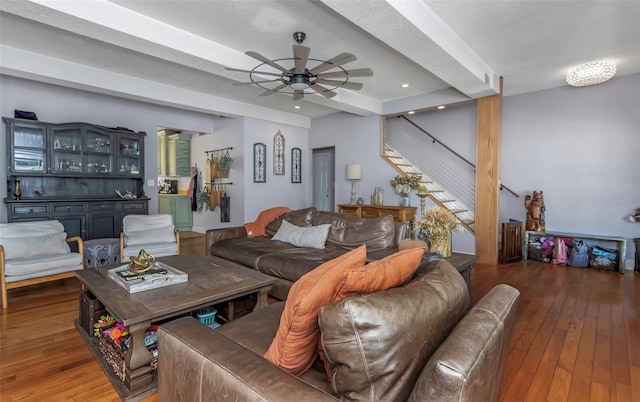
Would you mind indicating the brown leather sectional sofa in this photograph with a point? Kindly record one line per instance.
(287, 262)
(418, 342)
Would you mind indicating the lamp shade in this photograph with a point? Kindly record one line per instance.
(353, 172)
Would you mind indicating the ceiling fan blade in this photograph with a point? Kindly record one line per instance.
(298, 94)
(253, 72)
(263, 59)
(272, 90)
(301, 55)
(339, 60)
(256, 82)
(349, 85)
(323, 91)
(358, 72)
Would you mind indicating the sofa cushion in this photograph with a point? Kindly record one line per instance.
(36, 266)
(43, 245)
(292, 263)
(28, 229)
(378, 343)
(312, 236)
(247, 251)
(298, 217)
(257, 228)
(351, 231)
(155, 249)
(294, 346)
(164, 234)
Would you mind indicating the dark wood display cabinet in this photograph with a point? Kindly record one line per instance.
(71, 171)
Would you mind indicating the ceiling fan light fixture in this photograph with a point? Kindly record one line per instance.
(299, 82)
(592, 73)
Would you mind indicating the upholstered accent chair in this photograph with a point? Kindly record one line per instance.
(36, 252)
(156, 234)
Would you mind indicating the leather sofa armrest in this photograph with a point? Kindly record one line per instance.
(216, 235)
(197, 363)
(470, 361)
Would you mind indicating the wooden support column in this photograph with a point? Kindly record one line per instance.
(488, 177)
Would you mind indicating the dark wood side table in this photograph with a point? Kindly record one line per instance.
(464, 263)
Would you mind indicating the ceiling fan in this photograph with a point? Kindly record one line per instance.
(323, 78)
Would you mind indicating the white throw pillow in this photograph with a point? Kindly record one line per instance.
(312, 236)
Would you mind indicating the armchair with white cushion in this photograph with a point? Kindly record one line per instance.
(156, 234)
(36, 252)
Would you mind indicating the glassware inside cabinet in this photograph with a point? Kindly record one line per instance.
(97, 142)
(98, 164)
(32, 137)
(67, 139)
(129, 146)
(66, 162)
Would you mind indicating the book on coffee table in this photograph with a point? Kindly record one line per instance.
(159, 276)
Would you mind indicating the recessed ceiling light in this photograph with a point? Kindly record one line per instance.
(441, 107)
(411, 111)
(405, 85)
(296, 107)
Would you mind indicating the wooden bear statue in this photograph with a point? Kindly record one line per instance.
(535, 211)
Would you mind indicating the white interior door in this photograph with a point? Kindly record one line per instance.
(323, 179)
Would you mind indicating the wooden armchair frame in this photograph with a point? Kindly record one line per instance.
(33, 281)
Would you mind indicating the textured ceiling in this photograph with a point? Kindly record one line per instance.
(174, 52)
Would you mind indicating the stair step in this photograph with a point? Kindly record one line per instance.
(468, 222)
(434, 191)
(458, 211)
(445, 201)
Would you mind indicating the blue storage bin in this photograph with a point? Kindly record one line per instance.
(207, 316)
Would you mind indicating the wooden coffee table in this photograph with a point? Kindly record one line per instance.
(212, 280)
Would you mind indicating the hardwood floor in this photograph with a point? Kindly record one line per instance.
(576, 338)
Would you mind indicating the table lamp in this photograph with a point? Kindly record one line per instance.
(353, 174)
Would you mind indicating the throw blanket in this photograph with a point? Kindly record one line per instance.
(264, 218)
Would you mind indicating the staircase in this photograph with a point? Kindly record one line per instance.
(419, 154)
(434, 192)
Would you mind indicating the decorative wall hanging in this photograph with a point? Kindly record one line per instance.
(278, 154)
(296, 165)
(259, 163)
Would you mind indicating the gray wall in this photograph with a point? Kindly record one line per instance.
(581, 146)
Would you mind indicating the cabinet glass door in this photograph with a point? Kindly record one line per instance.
(129, 155)
(98, 152)
(67, 145)
(28, 148)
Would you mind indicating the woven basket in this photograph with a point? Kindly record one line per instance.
(115, 356)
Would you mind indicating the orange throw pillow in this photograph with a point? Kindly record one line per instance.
(295, 344)
(264, 218)
(387, 273)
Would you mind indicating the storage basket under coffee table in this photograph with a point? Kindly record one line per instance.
(212, 280)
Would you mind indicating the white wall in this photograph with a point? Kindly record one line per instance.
(278, 190)
(356, 141)
(227, 133)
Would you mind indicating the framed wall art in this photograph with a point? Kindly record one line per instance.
(259, 163)
(278, 154)
(296, 165)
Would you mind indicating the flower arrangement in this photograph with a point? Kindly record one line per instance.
(404, 184)
(438, 223)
